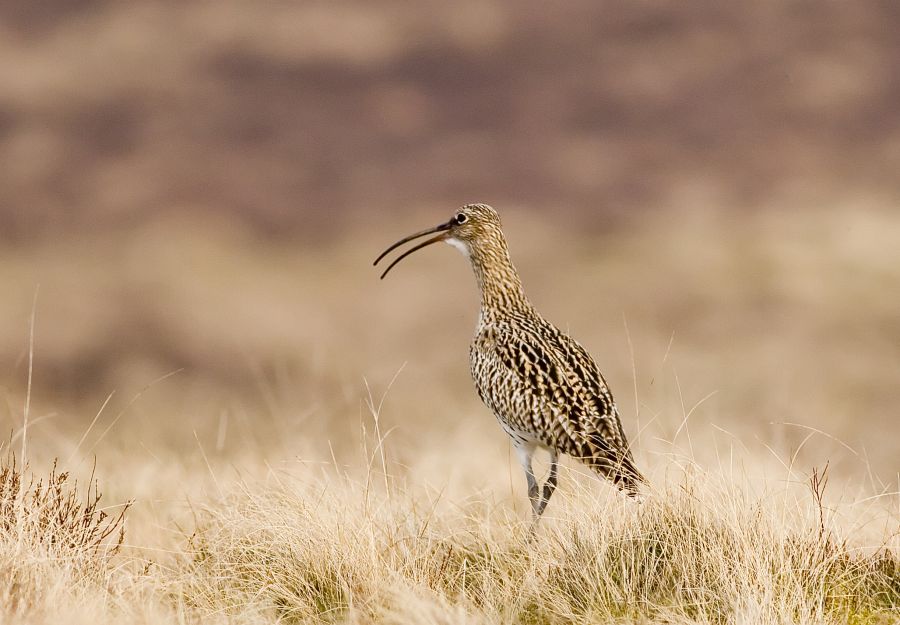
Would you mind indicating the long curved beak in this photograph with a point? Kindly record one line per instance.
(442, 229)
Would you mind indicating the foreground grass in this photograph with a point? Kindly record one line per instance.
(693, 552)
(699, 549)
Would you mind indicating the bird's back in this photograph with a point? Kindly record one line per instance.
(545, 388)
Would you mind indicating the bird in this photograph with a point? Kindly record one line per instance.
(542, 386)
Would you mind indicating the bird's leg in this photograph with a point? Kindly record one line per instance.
(525, 452)
(550, 484)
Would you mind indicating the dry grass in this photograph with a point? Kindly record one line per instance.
(315, 544)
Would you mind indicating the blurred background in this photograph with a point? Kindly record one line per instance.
(704, 193)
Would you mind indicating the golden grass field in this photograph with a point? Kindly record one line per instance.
(301, 443)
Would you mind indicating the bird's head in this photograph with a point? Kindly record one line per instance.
(472, 227)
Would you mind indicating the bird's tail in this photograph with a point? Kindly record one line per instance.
(620, 469)
(629, 481)
(626, 476)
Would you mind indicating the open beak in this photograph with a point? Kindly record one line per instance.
(442, 229)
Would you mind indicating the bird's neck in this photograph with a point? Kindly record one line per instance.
(499, 282)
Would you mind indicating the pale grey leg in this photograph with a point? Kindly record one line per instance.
(525, 452)
(550, 484)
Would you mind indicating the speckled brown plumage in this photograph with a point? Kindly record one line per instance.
(542, 385)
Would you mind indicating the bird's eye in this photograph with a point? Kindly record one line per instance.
(461, 218)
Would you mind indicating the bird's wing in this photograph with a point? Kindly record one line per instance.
(559, 389)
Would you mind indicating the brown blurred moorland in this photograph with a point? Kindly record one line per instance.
(200, 187)
(295, 118)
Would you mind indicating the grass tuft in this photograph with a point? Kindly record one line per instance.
(52, 533)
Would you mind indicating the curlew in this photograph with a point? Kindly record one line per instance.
(542, 385)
